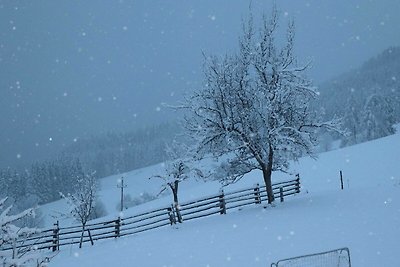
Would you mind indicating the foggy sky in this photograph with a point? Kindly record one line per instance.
(69, 69)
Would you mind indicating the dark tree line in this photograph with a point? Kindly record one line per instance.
(103, 155)
(120, 152)
(42, 182)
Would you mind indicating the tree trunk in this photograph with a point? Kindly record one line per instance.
(176, 203)
(83, 232)
(267, 173)
(175, 191)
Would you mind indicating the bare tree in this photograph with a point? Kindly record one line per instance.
(178, 168)
(83, 201)
(254, 112)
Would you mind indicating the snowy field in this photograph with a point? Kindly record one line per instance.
(365, 217)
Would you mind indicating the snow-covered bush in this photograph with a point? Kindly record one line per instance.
(10, 254)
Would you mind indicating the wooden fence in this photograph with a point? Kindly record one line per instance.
(215, 204)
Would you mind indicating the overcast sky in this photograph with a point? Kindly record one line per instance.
(69, 69)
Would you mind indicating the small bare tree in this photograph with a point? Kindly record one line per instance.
(83, 201)
(178, 168)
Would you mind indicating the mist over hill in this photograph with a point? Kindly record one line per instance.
(366, 98)
(378, 75)
(72, 69)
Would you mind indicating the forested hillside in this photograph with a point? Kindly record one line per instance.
(120, 152)
(368, 98)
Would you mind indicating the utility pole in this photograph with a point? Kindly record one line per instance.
(122, 186)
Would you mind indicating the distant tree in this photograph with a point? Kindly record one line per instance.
(352, 121)
(253, 112)
(378, 117)
(50, 177)
(83, 201)
(10, 234)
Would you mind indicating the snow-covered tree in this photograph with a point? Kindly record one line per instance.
(253, 112)
(83, 201)
(378, 117)
(178, 168)
(352, 121)
(10, 254)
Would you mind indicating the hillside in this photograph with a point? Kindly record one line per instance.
(378, 75)
(364, 217)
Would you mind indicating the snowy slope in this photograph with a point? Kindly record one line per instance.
(364, 217)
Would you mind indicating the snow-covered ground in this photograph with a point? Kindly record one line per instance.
(365, 217)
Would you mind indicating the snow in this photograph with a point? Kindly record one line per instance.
(363, 217)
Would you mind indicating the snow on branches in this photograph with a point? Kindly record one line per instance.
(254, 110)
(10, 235)
(82, 202)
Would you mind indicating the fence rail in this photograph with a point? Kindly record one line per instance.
(215, 204)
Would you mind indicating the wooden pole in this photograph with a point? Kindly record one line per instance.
(222, 204)
(341, 180)
(171, 215)
(56, 237)
(122, 186)
(117, 227)
(281, 193)
(298, 183)
(257, 197)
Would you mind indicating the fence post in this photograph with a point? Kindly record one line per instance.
(298, 183)
(341, 180)
(56, 237)
(222, 204)
(281, 193)
(171, 215)
(117, 227)
(257, 196)
(178, 212)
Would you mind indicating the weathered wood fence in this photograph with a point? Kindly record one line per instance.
(215, 204)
